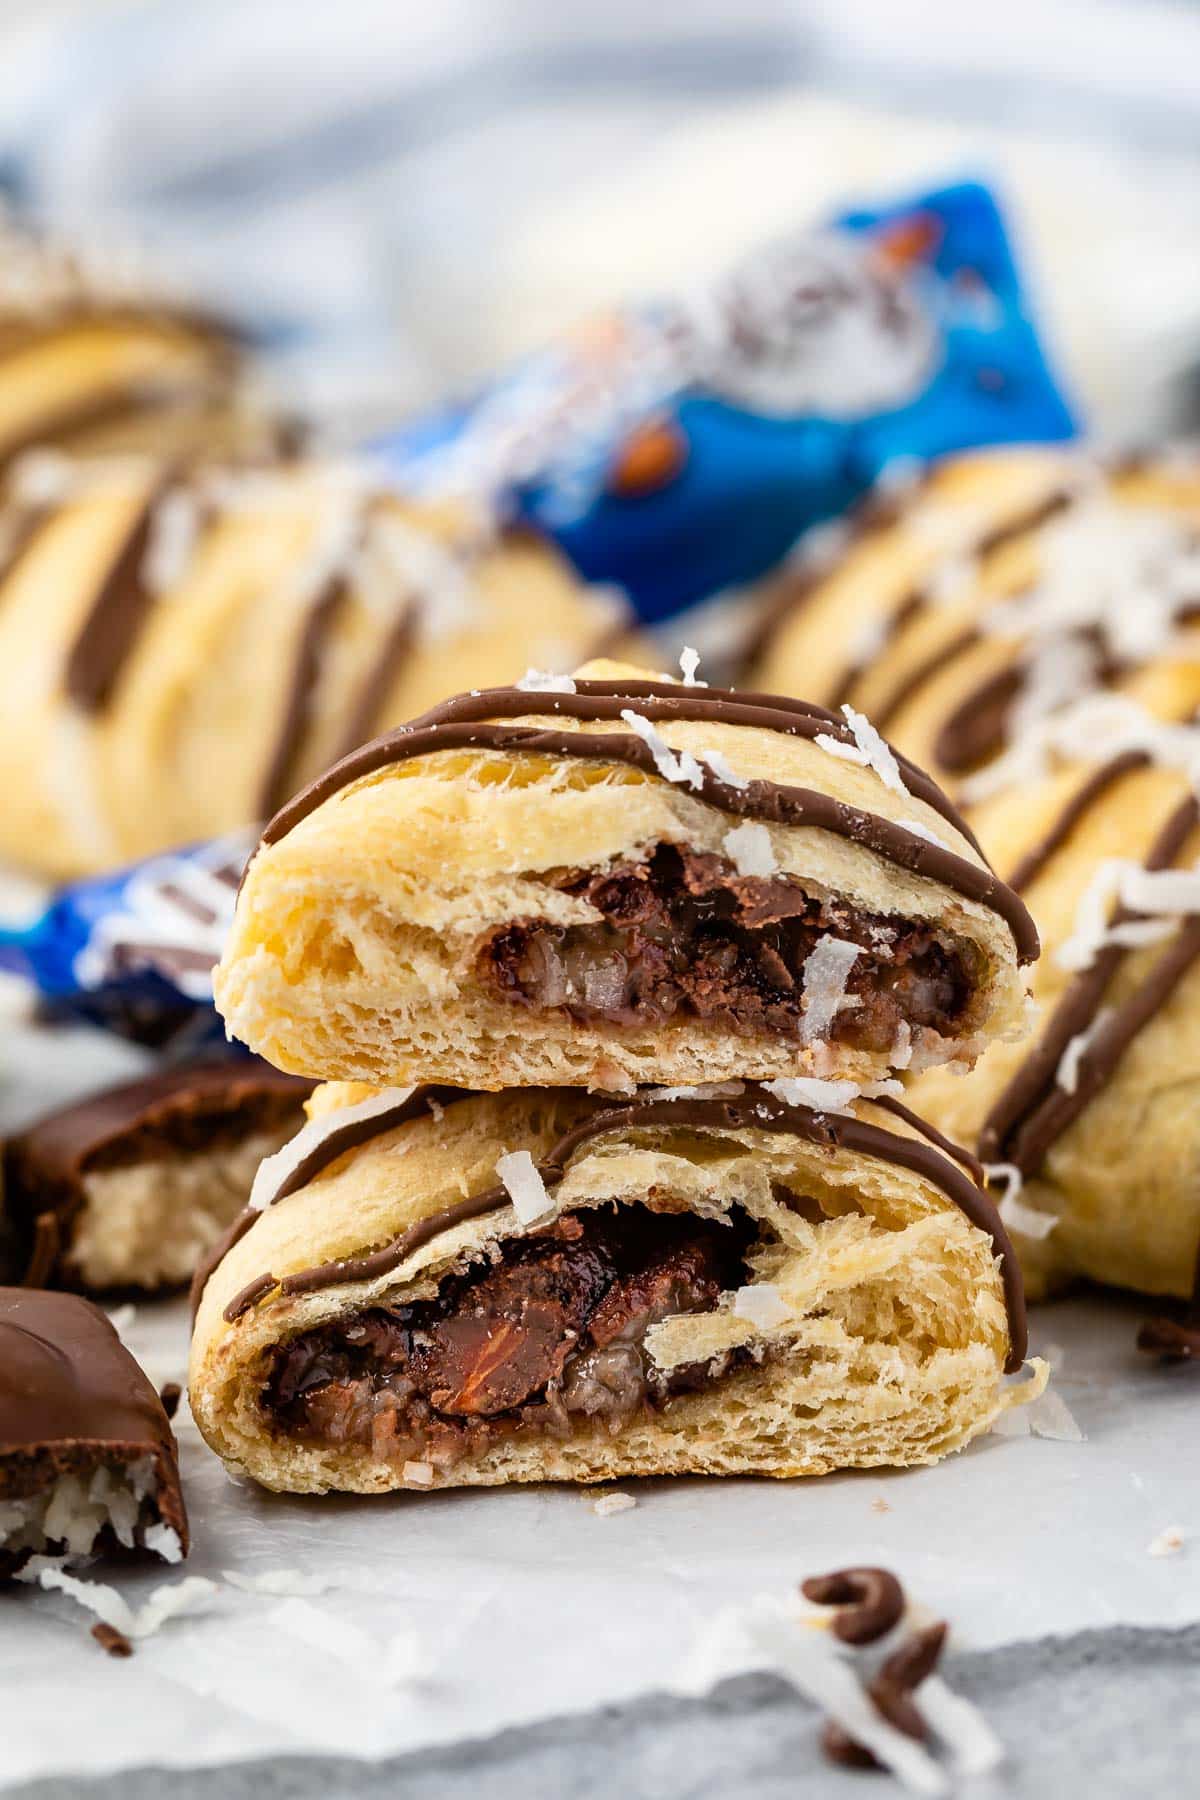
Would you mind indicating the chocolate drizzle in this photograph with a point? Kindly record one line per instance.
(1097, 785)
(298, 703)
(115, 617)
(1033, 1112)
(470, 721)
(915, 604)
(757, 1110)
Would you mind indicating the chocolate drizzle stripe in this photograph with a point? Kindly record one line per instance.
(1097, 785)
(24, 533)
(918, 599)
(1031, 1113)
(934, 664)
(757, 1111)
(298, 701)
(369, 702)
(115, 618)
(360, 1131)
(1059, 1110)
(336, 1144)
(467, 722)
(957, 1152)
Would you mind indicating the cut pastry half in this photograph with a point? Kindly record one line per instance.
(435, 1288)
(616, 882)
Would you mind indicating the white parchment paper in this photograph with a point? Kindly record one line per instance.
(420, 1619)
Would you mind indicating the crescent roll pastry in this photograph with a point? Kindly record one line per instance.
(1006, 584)
(183, 645)
(434, 1287)
(93, 359)
(129, 1187)
(615, 880)
(1094, 1122)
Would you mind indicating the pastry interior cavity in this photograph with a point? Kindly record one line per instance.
(683, 935)
(549, 1332)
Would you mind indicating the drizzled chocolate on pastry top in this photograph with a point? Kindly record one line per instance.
(754, 1110)
(475, 721)
(73, 1400)
(1033, 1111)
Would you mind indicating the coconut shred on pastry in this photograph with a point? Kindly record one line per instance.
(434, 1287)
(1004, 585)
(184, 644)
(1026, 620)
(617, 881)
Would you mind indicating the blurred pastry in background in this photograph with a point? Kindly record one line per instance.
(1004, 584)
(95, 358)
(129, 1188)
(1026, 624)
(184, 644)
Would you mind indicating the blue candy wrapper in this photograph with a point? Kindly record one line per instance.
(134, 951)
(681, 448)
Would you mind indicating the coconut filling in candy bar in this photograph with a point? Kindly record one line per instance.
(129, 1187)
(553, 1329)
(87, 1458)
(684, 934)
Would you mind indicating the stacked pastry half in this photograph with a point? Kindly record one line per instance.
(607, 981)
(1025, 622)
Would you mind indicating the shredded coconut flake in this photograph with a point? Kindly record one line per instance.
(542, 681)
(190, 1595)
(1167, 1543)
(608, 1504)
(1012, 1209)
(1066, 1076)
(761, 1305)
(723, 769)
(828, 1096)
(173, 530)
(524, 1187)
(924, 831)
(749, 848)
(418, 1474)
(1050, 1417)
(703, 1090)
(826, 971)
(689, 663)
(274, 1171)
(163, 1540)
(682, 769)
(1160, 896)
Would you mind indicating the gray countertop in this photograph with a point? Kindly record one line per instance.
(1104, 1714)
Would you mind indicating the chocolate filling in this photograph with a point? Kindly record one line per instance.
(685, 936)
(552, 1330)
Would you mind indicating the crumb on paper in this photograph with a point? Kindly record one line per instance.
(110, 1639)
(880, 1505)
(608, 1504)
(1167, 1543)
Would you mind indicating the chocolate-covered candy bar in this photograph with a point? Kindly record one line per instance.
(131, 1186)
(87, 1459)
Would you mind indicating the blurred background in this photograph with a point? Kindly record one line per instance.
(398, 197)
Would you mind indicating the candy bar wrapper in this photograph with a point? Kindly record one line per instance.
(134, 951)
(681, 448)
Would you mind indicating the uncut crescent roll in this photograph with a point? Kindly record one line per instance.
(1094, 1120)
(441, 1288)
(94, 359)
(184, 644)
(960, 615)
(616, 880)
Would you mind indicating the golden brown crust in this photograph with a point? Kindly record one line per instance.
(355, 943)
(891, 1353)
